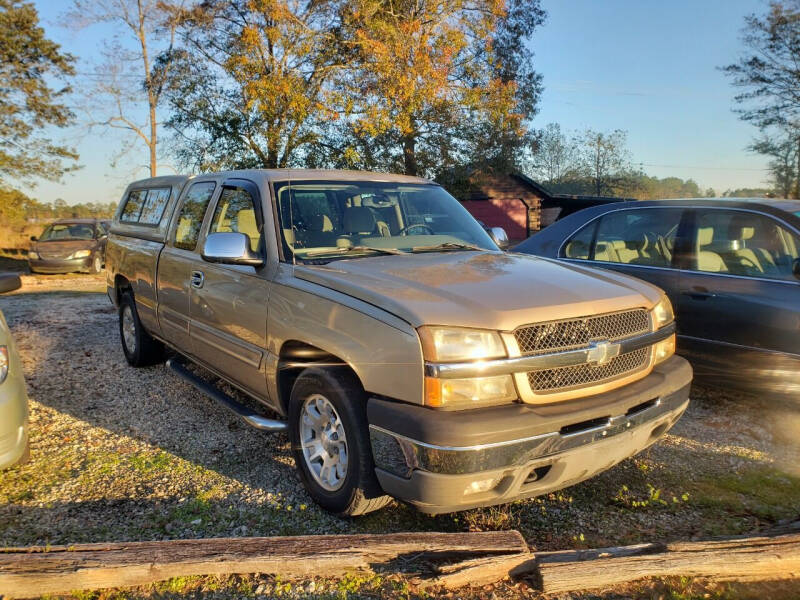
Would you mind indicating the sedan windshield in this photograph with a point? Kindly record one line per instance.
(67, 231)
(327, 220)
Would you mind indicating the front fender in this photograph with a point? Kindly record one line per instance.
(384, 351)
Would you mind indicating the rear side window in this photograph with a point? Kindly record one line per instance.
(145, 207)
(192, 213)
(635, 237)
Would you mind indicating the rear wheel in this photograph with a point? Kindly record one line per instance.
(330, 442)
(97, 264)
(141, 350)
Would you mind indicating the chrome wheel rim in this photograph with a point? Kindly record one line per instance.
(324, 443)
(128, 329)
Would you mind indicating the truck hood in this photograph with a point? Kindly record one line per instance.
(487, 290)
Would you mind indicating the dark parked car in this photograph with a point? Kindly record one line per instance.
(730, 267)
(69, 245)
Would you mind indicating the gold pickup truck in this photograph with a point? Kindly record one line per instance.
(402, 351)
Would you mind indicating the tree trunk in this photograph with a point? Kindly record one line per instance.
(153, 138)
(409, 154)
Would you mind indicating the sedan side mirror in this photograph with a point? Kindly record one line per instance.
(33, 238)
(230, 248)
(499, 237)
(9, 282)
(796, 268)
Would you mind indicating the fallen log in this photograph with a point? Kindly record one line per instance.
(756, 558)
(26, 572)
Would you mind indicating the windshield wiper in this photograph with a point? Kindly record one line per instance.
(448, 246)
(349, 249)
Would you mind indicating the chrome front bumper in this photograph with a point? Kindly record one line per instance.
(402, 455)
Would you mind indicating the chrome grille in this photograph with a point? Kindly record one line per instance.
(564, 378)
(570, 334)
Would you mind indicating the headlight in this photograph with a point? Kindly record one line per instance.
(662, 313)
(3, 363)
(80, 254)
(447, 344)
(474, 392)
(33, 255)
(664, 349)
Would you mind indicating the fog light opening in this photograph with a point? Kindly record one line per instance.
(537, 473)
(659, 430)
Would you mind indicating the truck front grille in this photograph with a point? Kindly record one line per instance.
(562, 379)
(571, 334)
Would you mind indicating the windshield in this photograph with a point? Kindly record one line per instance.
(67, 231)
(326, 220)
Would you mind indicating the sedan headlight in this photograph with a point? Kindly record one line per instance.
(80, 254)
(662, 313)
(3, 363)
(32, 254)
(448, 344)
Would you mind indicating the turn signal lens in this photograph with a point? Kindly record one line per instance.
(664, 349)
(473, 392)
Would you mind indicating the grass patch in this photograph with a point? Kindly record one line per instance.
(763, 492)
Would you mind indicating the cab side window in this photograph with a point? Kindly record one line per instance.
(638, 237)
(743, 243)
(191, 216)
(236, 212)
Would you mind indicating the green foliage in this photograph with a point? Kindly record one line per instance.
(29, 64)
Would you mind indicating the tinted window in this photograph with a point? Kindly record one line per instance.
(236, 213)
(133, 206)
(637, 237)
(154, 206)
(67, 231)
(580, 246)
(192, 212)
(743, 243)
(145, 206)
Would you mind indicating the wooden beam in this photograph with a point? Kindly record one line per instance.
(26, 572)
(757, 558)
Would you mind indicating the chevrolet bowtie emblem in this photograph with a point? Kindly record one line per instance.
(600, 353)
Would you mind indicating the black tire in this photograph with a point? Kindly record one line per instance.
(360, 492)
(146, 351)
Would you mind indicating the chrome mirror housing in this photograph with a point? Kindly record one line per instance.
(230, 248)
(500, 237)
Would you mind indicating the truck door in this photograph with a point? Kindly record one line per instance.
(178, 261)
(229, 302)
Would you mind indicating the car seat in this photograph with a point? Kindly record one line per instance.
(708, 260)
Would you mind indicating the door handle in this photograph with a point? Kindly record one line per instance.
(699, 294)
(198, 278)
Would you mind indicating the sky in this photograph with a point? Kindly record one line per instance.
(645, 66)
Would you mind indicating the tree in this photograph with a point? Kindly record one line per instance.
(604, 158)
(770, 79)
(129, 78)
(782, 148)
(555, 156)
(431, 79)
(29, 64)
(251, 87)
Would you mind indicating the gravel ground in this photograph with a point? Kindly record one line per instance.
(137, 454)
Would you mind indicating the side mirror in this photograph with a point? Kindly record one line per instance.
(796, 268)
(500, 237)
(33, 238)
(9, 282)
(230, 248)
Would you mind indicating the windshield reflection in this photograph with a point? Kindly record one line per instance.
(329, 220)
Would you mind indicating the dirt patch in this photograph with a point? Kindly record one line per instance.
(137, 454)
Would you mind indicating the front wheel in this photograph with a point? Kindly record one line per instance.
(141, 350)
(330, 442)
